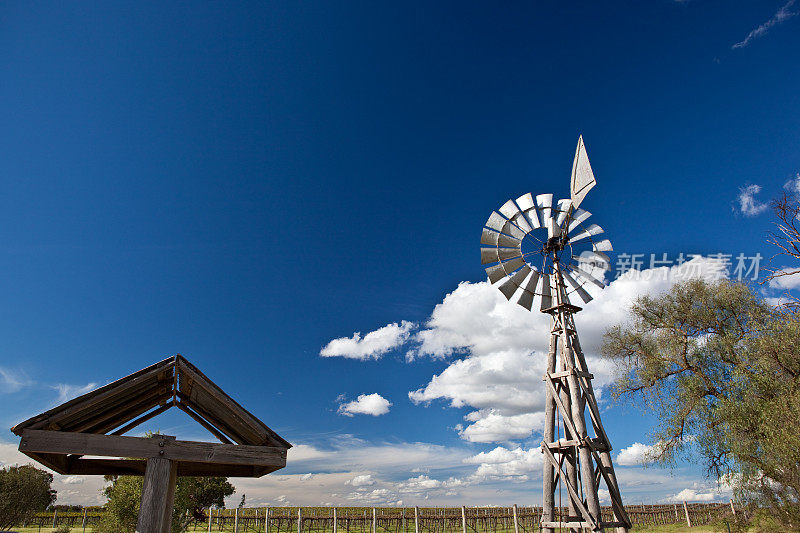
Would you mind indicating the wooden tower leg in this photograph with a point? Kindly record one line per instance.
(548, 496)
(158, 496)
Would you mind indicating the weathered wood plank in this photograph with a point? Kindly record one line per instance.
(93, 398)
(158, 496)
(63, 442)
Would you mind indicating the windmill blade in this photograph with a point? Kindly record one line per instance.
(602, 246)
(578, 216)
(529, 291)
(510, 286)
(493, 255)
(499, 271)
(553, 229)
(545, 203)
(525, 202)
(582, 179)
(533, 217)
(509, 209)
(564, 207)
(496, 222)
(547, 299)
(511, 266)
(522, 222)
(489, 255)
(509, 228)
(594, 229)
(496, 273)
(494, 238)
(489, 237)
(585, 296)
(583, 274)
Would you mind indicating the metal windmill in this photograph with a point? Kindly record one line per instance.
(545, 253)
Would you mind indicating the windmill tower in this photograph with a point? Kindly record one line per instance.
(540, 253)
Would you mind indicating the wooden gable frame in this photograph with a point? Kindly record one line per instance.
(94, 424)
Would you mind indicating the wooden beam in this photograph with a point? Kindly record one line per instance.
(142, 419)
(63, 442)
(57, 462)
(203, 422)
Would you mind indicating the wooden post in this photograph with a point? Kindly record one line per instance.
(404, 520)
(686, 511)
(210, 518)
(236, 521)
(416, 519)
(334, 520)
(299, 520)
(374, 521)
(55, 517)
(676, 512)
(158, 495)
(516, 523)
(733, 509)
(266, 521)
(463, 519)
(84, 516)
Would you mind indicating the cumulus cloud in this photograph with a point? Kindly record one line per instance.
(372, 346)
(749, 205)
(635, 454)
(783, 14)
(510, 464)
(497, 350)
(366, 404)
(361, 481)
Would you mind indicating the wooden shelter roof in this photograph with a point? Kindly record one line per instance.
(118, 407)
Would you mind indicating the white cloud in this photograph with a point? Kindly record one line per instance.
(510, 464)
(793, 185)
(12, 380)
(68, 392)
(306, 477)
(693, 495)
(635, 454)
(781, 15)
(501, 349)
(749, 205)
(366, 404)
(361, 481)
(73, 480)
(788, 281)
(372, 346)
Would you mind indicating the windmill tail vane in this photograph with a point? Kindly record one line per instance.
(545, 253)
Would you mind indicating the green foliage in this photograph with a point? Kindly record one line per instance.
(721, 369)
(63, 528)
(192, 495)
(24, 490)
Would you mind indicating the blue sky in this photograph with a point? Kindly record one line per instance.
(244, 184)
